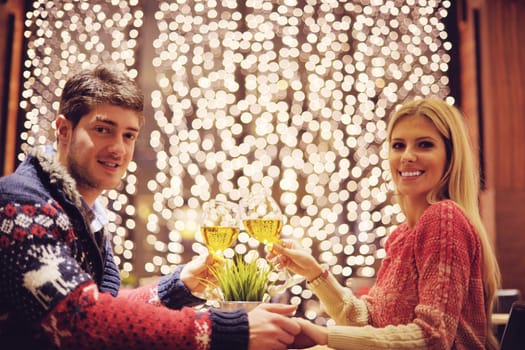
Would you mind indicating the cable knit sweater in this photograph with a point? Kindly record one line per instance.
(428, 293)
(60, 287)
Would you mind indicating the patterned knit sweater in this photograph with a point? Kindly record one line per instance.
(60, 287)
(428, 293)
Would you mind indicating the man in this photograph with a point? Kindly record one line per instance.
(59, 284)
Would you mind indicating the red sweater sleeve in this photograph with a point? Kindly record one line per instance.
(87, 319)
(147, 294)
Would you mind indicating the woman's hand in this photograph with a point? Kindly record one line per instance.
(310, 335)
(196, 274)
(288, 254)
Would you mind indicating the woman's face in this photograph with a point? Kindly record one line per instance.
(417, 157)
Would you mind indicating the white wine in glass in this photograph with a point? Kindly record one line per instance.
(218, 238)
(262, 218)
(220, 225)
(266, 231)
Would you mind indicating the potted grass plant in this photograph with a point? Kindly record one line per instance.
(242, 281)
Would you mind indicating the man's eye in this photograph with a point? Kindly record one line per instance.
(102, 130)
(130, 136)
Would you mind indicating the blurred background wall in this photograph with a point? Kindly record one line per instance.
(292, 95)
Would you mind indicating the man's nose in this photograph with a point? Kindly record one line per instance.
(117, 146)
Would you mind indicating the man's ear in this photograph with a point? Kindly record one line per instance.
(63, 129)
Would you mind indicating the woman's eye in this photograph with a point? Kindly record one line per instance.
(426, 144)
(397, 145)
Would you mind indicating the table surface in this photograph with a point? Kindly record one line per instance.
(500, 319)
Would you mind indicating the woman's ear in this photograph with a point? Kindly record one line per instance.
(63, 129)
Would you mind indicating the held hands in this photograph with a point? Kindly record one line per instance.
(288, 254)
(271, 327)
(310, 335)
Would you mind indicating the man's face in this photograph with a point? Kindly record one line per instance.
(97, 152)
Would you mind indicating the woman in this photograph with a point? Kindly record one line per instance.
(436, 286)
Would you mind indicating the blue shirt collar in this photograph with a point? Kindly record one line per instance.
(98, 217)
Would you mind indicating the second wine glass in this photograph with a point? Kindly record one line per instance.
(262, 218)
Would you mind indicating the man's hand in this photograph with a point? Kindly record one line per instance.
(271, 328)
(196, 274)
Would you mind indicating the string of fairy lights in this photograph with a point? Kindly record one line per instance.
(62, 37)
(288, 95)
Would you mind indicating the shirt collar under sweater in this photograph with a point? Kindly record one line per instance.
(96, 214)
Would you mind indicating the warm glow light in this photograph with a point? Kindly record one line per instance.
(286, 95)
(62, 37)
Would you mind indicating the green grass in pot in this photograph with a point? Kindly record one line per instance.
(241, 280)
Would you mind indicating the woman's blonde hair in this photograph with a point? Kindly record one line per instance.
(459, 183)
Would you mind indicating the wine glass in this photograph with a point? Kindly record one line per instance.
(219, 226)
(262, 219)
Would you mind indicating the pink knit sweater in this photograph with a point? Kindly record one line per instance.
(428, 292)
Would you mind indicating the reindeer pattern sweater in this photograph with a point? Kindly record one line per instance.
(428, 292)
(60, 287)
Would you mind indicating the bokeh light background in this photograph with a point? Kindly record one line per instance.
(291, 95)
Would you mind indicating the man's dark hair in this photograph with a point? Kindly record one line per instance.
(101, 85)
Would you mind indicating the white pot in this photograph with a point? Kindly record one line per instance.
(234, 305)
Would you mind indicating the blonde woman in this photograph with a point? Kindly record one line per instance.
(437, 283)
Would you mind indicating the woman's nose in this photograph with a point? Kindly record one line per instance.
(408, 156)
